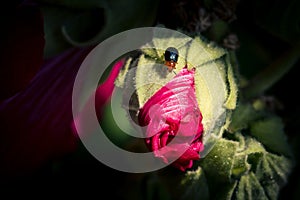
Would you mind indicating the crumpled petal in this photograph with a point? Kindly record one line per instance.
(173, 112)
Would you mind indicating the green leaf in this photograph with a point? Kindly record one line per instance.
(272, 172)
(218, 163)
(270, 132)
(242, 116)
(266, 175)
(246, 170)
(250, 188)
(240, 166)
(84, 23)
(120, 80)
(231, 101)
(149, 78)
(252, 146)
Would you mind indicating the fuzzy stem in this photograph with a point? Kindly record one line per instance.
(270, 75)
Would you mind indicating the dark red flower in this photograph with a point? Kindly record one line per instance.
(173, 112)
(36, 119)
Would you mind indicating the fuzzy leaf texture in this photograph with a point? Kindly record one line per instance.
(249, 172)
(253, 160)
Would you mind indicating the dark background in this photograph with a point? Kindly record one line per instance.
(262, 32)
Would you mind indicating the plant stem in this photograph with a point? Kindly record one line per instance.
(270, 75)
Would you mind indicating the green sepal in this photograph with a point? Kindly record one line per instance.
(218, 163)
(241, 168)
(249, 188)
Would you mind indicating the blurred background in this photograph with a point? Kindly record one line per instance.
(42, 32)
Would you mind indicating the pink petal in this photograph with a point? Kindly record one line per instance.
(105, 90)
(176, 99)
(102, 95)
(36, 121)
(173, 112)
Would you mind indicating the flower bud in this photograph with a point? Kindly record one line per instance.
(206, 93)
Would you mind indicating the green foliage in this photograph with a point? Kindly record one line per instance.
(270, 132)
(84, 23)
(247, 155)
(248, 173)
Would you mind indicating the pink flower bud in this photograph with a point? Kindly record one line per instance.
(172, 112)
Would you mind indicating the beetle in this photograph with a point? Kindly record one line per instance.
(171, 57)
